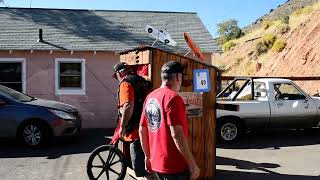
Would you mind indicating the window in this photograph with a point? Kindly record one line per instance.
(260, 90)
(13, 73)
(70, 76)
(287, 92)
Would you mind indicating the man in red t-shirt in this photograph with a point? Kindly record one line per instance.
(164, 130)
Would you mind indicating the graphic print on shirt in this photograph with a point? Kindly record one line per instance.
(153, 113)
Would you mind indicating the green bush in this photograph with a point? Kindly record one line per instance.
(285, 19)
(265, 44)
(278, 45)
(269, 39)
(283, 28)
(228, 46)
(304, 10)
(266, 24)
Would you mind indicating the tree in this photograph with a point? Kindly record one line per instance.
(228, 30)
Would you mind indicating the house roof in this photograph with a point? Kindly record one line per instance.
(97, 30)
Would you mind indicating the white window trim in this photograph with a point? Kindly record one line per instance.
(24, 69)
(70, 91)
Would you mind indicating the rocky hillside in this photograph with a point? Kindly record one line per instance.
(281, 49)
(283, 10)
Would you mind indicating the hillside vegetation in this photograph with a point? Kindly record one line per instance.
(288, 46)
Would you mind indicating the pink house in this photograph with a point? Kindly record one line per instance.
(71, 59)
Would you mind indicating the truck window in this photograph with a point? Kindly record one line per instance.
(260, 90)
(232, 90)
(245, 94)
(285, 91)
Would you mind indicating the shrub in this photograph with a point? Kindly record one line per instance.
(265, 44)
(285, 20)
(228, 46)
(261, 47)
(304, 10)
(283, 28)
(269, 39)
(266, 24)
(278, 45)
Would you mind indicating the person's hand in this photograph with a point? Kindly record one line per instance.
(122, 132)
(195, 171)
(147, 165)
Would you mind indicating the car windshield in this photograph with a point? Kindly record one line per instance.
(15, 95)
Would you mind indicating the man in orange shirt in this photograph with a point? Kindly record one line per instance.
(131, 95)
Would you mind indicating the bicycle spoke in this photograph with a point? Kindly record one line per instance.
(97, 166)
(101, 159)
(100, 173)
(112, 158)
(110, 155)
(114, 163)
(114, 171)
(107, 174)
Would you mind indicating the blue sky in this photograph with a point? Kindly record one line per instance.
(210, 11)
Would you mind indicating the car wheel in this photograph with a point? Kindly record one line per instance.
(228, 131)
(33, 134)
(150, 30)
(166, 41)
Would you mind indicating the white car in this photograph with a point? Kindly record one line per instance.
(265, 104)
(161, 35)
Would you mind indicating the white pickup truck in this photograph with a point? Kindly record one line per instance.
(264, 104)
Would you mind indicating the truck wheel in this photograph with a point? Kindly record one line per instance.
(228, 131)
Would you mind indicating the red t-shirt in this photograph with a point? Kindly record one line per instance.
(163, 108)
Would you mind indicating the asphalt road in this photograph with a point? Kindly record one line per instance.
(277, 155)
(63, 159)
(284, 155)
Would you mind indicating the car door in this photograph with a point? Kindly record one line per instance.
(7, 119)
(292, 108)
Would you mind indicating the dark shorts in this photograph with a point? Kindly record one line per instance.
(178, 176)
(137, 158)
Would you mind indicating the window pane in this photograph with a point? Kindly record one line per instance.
(70, 82)
(245, 94)
(288, 89)
(10, 72)
(70, 69)
(287, 92)
(15, 86)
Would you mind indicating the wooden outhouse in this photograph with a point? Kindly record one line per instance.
(147, 61)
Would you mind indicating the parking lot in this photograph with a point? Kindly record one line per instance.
(274, 155)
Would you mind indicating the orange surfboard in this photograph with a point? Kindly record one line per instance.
(193, 46)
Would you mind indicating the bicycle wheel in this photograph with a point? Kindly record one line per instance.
(106, 161)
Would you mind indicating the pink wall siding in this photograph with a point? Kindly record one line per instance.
(97, 106)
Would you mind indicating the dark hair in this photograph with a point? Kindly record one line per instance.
(167, 76)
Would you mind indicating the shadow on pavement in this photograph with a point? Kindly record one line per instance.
(85, 142)
(266, 173)
(235, 175)
(275, 139)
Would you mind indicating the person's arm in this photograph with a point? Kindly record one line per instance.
(144, 139)
(183, 147)
(126, 96)
(182, 144)
(127, 110)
